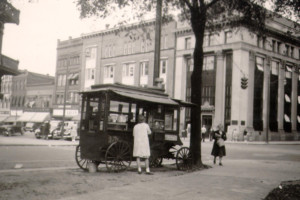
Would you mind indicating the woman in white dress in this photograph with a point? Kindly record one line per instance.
(141, 147)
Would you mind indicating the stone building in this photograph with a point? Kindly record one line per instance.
(268, 108)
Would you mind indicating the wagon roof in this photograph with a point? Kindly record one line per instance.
(136, 93)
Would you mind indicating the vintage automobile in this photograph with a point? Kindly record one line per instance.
(11, 128)
(31, 127)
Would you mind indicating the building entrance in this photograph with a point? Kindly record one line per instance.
(207, 121)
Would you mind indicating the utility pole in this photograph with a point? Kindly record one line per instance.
(65, 101)
(157, 41)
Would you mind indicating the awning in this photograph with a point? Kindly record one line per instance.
(26, 116)
(75, 76)
(2, 118)
(146, 97)
(34, 117)
(76, 118)
(184, 103)
(40, 117)
(11, 119)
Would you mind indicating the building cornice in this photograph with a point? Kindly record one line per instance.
(118, 29)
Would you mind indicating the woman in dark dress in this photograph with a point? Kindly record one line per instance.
(218, 149)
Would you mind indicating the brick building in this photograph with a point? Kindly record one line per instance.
(68, 76)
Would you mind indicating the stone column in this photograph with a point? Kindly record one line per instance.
(281, 75)
(266, 97)
(294, 99)
(220, 89)
(251, 66)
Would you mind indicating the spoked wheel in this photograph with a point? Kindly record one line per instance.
(118, 156)
(82, 163)
(155, 161)
(184, 159)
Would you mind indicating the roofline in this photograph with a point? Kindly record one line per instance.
(119, 28)
(153, 91)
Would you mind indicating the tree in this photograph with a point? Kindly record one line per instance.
(203, 15)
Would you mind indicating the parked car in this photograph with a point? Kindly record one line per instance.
(30, 126)
(11, 128)
(56, 129)
(56, 134)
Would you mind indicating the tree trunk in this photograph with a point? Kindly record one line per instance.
(198, 20)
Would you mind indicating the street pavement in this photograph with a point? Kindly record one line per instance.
(238, 179)
(28, 139)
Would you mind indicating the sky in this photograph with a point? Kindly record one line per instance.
(42, 22)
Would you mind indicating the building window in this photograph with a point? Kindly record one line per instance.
(274, 45)
(144, 68)
(74, 60)
(90, 74)
(287, 99)
(163, 66)
(208, 95)
(228, 36)
(292, 52)
(258, 94)
(128, 48)
(189, 64)
(208, 63)
(144, 73)
(273, 104)
(108, 74)
(73, 79)
(187, 44)
(128, 73)
(211, 40)
(287, 50)
(261, 42)
(128, 70)
(279, 47)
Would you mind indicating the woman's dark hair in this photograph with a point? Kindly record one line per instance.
(141, 118)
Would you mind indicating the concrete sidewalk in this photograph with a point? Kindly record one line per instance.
(236, 180)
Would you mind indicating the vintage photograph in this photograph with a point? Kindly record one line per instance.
(153, 99)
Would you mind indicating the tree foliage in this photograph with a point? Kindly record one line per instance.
(203, 15)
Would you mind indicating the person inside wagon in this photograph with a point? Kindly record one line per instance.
(141, 147)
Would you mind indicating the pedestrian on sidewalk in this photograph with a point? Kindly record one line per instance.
(218, 149)
(141, 147)
(46, 130)
(203, 131)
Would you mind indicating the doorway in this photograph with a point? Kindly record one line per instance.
(207, 121)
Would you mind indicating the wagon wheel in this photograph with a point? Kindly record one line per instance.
(155, 161)
(184, 159)
(118, 156)
(82, 163)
